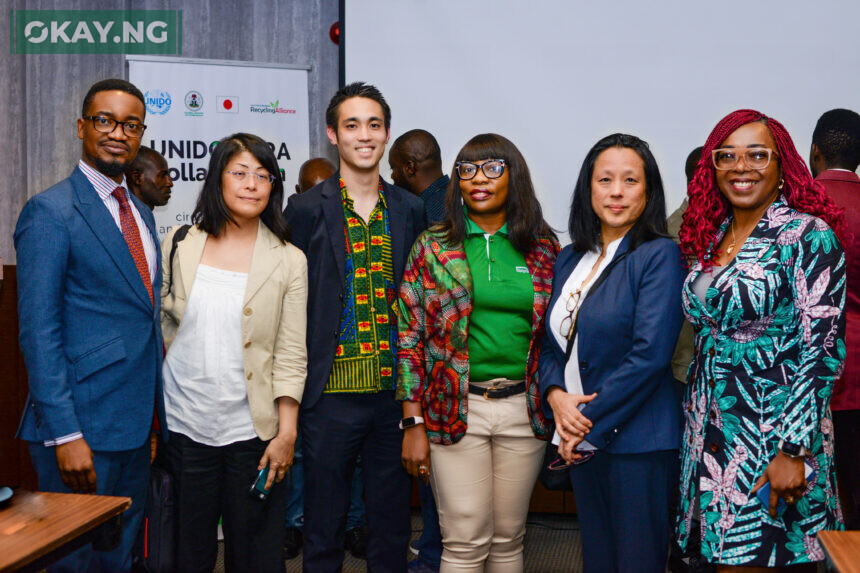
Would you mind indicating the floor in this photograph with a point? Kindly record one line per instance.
(551, 546)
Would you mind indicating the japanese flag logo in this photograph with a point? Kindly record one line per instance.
(227, 104)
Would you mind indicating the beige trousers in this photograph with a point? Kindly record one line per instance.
(483, 485)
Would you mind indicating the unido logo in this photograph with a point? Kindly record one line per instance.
(96, 31)
(157, 101)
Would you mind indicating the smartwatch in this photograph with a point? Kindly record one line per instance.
(411, 421)
(791, 450)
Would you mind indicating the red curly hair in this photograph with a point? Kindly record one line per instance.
(708, 207)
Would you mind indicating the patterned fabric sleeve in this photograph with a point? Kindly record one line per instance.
(410, 326)
(818, 288)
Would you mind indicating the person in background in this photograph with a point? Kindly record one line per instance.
(834, 158)
(673, 222)
(605, 371)
(356, 230)
(472, 306)
(88, 307)
(149, 178)
(234, 311)
(416, 165)
(681, 560)
(684, 348)
(311, 173)
(765, 294)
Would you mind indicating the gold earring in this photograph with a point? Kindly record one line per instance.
(781, 184)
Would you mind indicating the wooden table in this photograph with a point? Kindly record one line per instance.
(37, 528)
(842, 549)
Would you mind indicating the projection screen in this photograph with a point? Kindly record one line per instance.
(554, 76)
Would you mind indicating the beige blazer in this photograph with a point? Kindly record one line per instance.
(274, 317)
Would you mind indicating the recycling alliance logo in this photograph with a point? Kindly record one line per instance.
(157, 101)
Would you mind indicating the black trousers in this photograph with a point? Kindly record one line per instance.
(335, 431)
(215, 481)
(846, 429)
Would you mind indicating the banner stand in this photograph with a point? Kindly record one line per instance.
(191, 104)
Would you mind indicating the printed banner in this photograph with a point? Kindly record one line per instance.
(192, 105)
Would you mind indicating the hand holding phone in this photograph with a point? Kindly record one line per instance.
(764, 491)
(258, 487)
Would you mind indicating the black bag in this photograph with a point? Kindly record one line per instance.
(559, 480)
(177, 236)
(553, 480)
(155, 549)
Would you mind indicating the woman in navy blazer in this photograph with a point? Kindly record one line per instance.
(605, 367)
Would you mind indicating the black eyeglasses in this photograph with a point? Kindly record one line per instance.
(493, 169)
(105, 124)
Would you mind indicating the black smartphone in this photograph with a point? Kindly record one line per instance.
(258, 487)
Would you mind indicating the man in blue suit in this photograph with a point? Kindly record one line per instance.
(88, 302)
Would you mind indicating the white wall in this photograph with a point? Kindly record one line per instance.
(554, 76)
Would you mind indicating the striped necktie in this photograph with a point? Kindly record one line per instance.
(132, 238)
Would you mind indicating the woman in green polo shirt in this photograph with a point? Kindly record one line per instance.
(472, 305)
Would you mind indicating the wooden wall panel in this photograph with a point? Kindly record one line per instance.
(15, 467)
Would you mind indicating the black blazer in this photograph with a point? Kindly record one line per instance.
(316, 221)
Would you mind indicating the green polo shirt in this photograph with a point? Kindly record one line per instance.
(500, 327)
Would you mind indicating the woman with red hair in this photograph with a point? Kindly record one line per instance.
(765, 295)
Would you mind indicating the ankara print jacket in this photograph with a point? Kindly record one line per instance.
(770, 341)
(433, 323)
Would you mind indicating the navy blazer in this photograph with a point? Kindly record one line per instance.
(627, 328)
(316, 221)
(90, 335)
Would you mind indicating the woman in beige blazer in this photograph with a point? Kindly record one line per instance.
(234, 299)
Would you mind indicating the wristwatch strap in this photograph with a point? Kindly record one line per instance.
(411, 421)
(791, 450)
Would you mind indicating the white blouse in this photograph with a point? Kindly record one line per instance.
(572, 380)
(204, 374)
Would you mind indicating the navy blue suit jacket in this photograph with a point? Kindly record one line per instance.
(627, 328)
(90, 336)
(316, 222)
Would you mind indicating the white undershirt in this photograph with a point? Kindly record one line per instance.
(572, 379)
(704, 281)
(204, 374)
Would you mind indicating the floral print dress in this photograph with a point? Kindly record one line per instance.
(770, 341)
